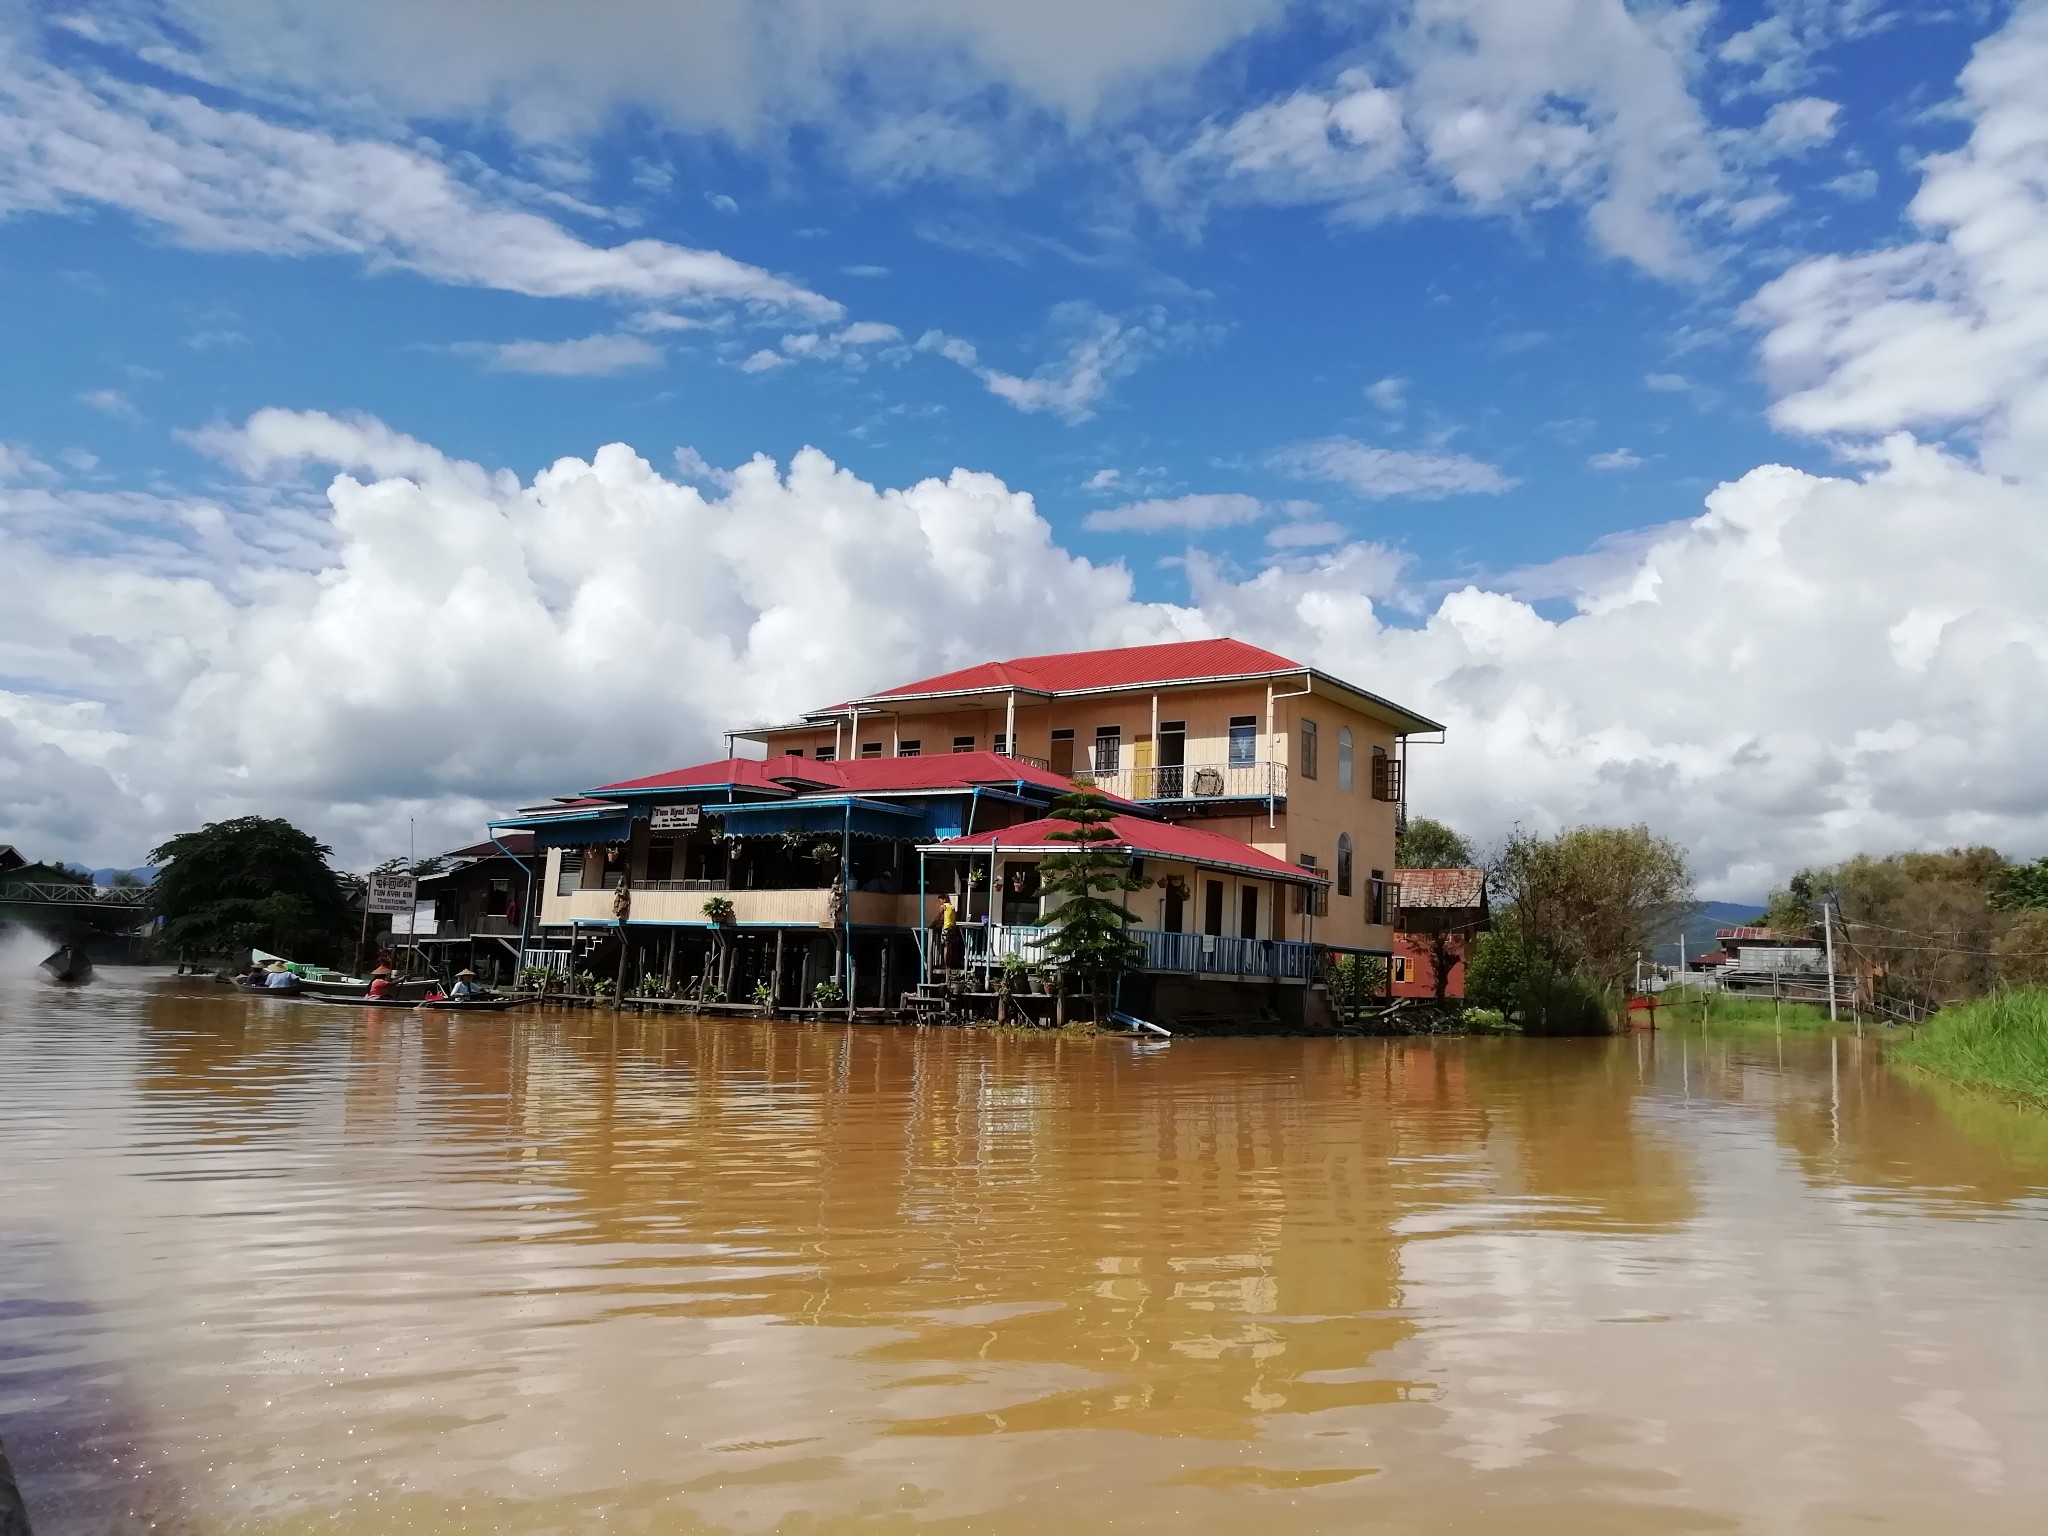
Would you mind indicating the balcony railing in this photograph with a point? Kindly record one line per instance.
(1197, 954)
(1193, 781)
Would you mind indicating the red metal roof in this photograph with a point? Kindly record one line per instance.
(1456, 887)
(1153, 839)
(1129, 666)
(518, 844)
(747, 772)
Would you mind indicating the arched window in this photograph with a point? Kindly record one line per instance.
(1344, 757)
(1344, 864)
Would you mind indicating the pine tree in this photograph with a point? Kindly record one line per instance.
(1090, 939)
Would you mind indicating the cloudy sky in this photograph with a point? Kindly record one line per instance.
(420, 406)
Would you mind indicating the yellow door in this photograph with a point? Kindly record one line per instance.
(1141, 768)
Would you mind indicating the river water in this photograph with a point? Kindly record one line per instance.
(278, 1267)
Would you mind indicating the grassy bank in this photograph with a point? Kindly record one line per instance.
(1681, 1007)
(1999, 1043)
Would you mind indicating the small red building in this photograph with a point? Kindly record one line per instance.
(1437, 913)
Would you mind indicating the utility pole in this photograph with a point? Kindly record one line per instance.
(1828, 927)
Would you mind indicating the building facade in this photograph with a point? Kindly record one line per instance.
(1261, 797)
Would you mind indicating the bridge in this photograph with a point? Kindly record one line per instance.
(59, 896)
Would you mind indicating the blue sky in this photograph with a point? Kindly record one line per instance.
(1405, 299)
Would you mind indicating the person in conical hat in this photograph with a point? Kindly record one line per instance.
(465, 984)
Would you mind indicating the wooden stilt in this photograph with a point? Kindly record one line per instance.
(775, 986)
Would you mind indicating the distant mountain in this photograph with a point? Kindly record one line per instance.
(1699, 929)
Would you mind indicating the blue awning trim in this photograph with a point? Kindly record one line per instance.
(581, 833)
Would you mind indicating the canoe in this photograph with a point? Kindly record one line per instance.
(69, 966)
(438, 1004)
(408, 991)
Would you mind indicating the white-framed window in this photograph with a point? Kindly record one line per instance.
(1109, 748)
(912, 748)
(1308, 749)
(1344, 758)
(963, 743)
(1401, 968)
(871, 749)
(1343, 863)
(1244, 740)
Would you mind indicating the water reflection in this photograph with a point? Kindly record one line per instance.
(574, 1271)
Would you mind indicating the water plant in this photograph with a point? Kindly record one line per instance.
(1998, 1042)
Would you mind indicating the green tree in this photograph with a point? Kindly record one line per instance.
(1923, 928)
(1790, 914)
(1090, 939)
(2022, 950)
(2020, 887)
(1427, 844)
(1588, 901)
(251, 882)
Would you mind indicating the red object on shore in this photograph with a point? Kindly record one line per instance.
(1642, 1003)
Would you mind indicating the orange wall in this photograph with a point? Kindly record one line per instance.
(1318, 810)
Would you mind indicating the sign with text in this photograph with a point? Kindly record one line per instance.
(414, 921)
(674, 818)
(393, 893)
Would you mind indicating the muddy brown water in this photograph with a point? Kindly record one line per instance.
(272, 1267)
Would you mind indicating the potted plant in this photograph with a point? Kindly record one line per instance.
(828, 994)
(764, 996)
(717, 909)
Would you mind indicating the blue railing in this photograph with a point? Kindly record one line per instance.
(1196, 954)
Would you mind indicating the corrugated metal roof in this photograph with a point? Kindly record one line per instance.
(742, 772)
(1153, 839)
(1454, 887)
(1125, 667)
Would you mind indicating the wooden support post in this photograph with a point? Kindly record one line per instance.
(775, 985)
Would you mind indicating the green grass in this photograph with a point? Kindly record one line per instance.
(1998, 1042)
(1679, 1007)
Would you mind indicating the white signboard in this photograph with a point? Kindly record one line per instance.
(393, 893)
(407, 923)
(674, 818)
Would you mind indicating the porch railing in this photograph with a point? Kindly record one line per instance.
(1192, 781)
(1198, 954)
(682, 885)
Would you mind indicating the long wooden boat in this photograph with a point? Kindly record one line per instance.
(69, 966)
(438, 1004)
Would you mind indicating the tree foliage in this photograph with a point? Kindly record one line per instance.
(1924, 927)
(1427, 844)
(1588, 901)
(1090, 938)
(2020, 887)
(2022, 950)
(254, 881)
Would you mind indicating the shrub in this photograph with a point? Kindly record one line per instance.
(1487, 1021)
(1521, 983)
(1998, 1042)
